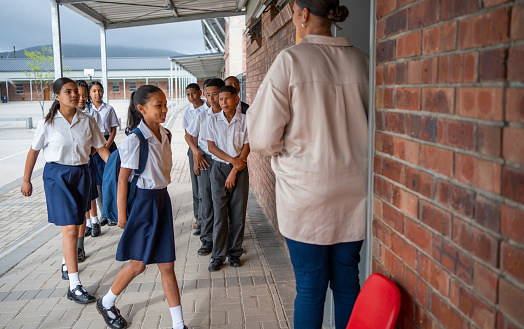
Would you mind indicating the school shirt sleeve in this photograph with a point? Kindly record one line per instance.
(185, 119)
(97, 138)
(112, 119)
(271, 112)
(209, 132)
(129, 151)
(39, 138)
(194, 127)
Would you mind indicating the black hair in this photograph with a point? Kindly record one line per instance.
(228, 89)
(328, 9)
(216, 82)
(139, 97)
(57, 86)
(206, 82)
(193, 86)
(93, 83)
(231, 77)
(83, 83)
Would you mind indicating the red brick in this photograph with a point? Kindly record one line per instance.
(452, 8)
(451, 68)
(384, 7)
(512, 223)
(456, 198)
(464, 267)
(394, 170)
(377, 208)
(439, 100)
(423, 127)
(489, 140)
(396, 23)
(516, 64)
(395, 122)
(512, 183)
(480, 173)
(393, 218)
(420, 182)
(401, 73)
(423, 71)
(476, 242)
(506, 323)
(384, 143)
(440, 39)
(436, 159)
(491, 3)
(381, 29)
(386, 51)
(384, 98)
(459, 134)
(515, 104)
(383, 189)
(436, 218)
(404, 250)
(487, 213)
(481, 314)
(480, 103)
(407, 98)
(485, 282)
(377, 164)
(517, 22)
(511, 300)
(405, 201)
(423, 14)
(444, 253)
(379, 120)
(513, 147)
(492, 65)
(470, 73)
(512, 261)
(433, 273)
(484, 30)
(406, 150)
(379, 75)
(409, 45)
(389, 74)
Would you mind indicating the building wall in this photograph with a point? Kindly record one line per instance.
(258, 60)
(449, 163)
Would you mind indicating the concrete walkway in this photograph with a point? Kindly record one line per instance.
(259, 294)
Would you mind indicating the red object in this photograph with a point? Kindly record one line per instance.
(377, 304)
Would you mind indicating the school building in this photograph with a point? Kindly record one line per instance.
(446, 127)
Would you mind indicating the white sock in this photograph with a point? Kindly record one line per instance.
(74, 280)
(95, 220)
(88, 222)
(108, 301)
(176, 315)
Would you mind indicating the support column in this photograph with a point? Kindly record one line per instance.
(170, 83)
(103, 53)
(57, 42)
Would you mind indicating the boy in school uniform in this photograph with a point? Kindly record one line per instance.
(228, 143)
(233, 81)
(203, 173)
(196, 105)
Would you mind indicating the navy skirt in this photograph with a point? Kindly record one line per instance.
(92, 173)
(67, 190)
(100, 164)
(149, 236)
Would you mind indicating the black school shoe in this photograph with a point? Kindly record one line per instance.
(103, 221)
(215, 265)
(83, 298)
(81, 255)
(197, 231)
(96, 231)
(234, 261)
(65, 275)
(206, 249)
(88, 231)
(117, 323)
(111, 222)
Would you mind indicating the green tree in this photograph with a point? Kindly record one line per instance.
(41, 65)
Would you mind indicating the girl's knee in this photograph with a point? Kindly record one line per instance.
(137, 267)
(166, 268)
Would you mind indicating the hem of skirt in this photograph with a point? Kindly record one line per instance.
(125, 259)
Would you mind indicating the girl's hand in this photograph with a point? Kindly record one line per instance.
(122, 221)
(239, 164)
(27, 188)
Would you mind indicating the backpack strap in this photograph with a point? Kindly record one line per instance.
(169, 135)
(142, 160)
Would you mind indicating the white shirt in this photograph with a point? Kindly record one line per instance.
(95, 115)
(157, 173)
(229, 137)
(108, 116)
(190, 114)
(65, 143)
(197, 127)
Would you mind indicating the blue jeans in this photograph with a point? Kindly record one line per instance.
(317, 265)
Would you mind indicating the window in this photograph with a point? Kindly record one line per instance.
(132, 86)
(116, 87)
(19, 88)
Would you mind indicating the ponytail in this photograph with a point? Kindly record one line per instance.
(133, 115)
(52, 111)
(57, 87)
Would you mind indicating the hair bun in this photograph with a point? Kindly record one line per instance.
(338, 14)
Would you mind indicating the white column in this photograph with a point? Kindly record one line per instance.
(103, 53)
(147, 81)
(57, 42)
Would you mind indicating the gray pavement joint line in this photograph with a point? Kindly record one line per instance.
(18, 182)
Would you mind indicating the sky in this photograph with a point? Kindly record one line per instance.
(26, 23)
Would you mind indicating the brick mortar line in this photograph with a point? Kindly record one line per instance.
(450, 85)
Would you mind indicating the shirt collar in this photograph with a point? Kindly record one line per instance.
(239, 106)
(325, 40)
(78, 115)
(148, 133)
(222, 116)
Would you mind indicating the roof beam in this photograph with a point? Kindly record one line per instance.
(88, 13)
(64, 2)
(241, 4)
(214, 34)
(220, 27)
(171, 4)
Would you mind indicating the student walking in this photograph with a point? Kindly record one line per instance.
(66, 137)
(148, 236)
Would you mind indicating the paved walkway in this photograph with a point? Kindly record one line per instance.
(32, 294)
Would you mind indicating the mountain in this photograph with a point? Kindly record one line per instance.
(70, 50)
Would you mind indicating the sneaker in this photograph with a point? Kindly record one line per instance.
(206, 249)
(88, 231)
(234, 261)
(81, 255)
(215, 265)
(96, 231)
(82, 298)
(197, 231)
(103, 221)
(113, 320)
(65, 275)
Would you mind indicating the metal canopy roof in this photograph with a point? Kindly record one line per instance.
(114, 14)
(202, 66)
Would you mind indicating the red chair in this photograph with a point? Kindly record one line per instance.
(377, 304)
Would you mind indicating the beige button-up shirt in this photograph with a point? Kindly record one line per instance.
(310, 115)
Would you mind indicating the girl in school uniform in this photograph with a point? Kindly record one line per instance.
(148, 236)
(66, 136)
(109, 122)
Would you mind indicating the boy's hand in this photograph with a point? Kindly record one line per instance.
(239, 164)
(200, 162)
(27, 188)
(231, 178)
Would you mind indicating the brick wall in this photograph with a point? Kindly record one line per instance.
(259, 57)
(449, 162)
